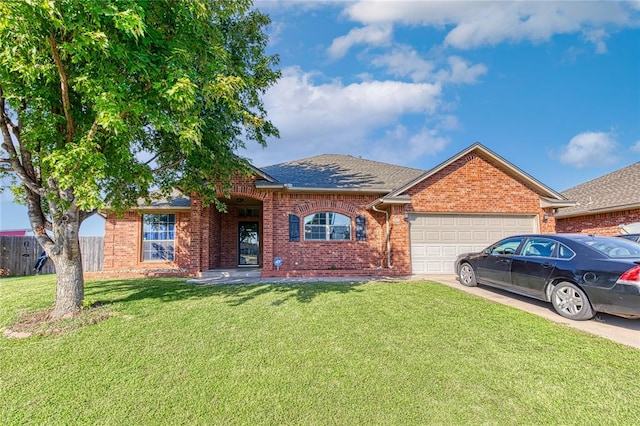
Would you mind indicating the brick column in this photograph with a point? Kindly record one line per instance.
(400, 250)
(267, 233)
(195, 246)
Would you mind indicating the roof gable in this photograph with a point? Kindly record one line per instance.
(341, 172)
(619, 190)
(547, 193)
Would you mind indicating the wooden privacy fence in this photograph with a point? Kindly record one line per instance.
(20, 254)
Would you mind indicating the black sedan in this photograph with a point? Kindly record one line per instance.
(579, 274)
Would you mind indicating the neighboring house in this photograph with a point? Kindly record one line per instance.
(603, 205)
(338, 215)
(15, 233)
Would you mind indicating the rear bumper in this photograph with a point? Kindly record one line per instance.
(622, 300)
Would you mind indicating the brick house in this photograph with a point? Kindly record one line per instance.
(333, 215)
(607, 205)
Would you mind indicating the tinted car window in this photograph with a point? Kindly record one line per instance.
(632, 237)
(539, 247)
(565, 252)
(617, 248)
(508, 246)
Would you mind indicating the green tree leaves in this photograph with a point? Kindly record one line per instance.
(103, 101)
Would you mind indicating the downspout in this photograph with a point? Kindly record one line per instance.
(386, 213)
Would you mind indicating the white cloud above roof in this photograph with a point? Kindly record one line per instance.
(589, 149)
(334, 117)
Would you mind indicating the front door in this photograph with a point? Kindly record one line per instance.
(248, 244)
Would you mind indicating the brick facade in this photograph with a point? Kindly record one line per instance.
(207, 239)
(607, 223)
(123, 245)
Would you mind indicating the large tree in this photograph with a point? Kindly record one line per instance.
(103, 101)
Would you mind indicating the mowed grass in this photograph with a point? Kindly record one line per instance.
(310, 354)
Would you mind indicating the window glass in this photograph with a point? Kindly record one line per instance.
(565, 252)
(508, 246)
(617, 248)
(327, 226)
(539, 247)
(158, 236)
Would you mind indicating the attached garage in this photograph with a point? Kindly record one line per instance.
(437, 239)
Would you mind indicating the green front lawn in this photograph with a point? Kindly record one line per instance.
(326, 354)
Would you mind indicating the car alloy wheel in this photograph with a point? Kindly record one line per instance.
(467, 275)
(571, 302)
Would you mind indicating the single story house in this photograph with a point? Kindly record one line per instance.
(608, 205)
(333, 215)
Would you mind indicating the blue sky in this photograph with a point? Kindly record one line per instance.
(553, 87)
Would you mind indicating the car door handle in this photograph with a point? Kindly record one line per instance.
(505, 260)
(548, 265)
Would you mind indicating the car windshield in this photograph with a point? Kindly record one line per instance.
(616, 248)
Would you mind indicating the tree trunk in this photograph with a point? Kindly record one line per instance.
(68, 262)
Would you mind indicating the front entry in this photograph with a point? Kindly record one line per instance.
(248, 244)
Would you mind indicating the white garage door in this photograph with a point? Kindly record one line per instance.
(436, 240)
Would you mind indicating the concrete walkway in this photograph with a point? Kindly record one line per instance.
(621, 330)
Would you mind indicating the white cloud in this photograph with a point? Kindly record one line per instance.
(484, 23)
(589, 149)
(461, 72)
(337, 118)
(597, 37)
(400, 146)
(370, 35)
(404, 61)
(636, 147)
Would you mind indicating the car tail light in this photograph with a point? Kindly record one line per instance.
(632, 276)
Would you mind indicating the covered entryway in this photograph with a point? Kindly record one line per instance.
(437, 239)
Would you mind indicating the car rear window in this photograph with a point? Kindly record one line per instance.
(616, 248)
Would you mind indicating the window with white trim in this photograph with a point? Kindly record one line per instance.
(325, 226)
(158, 236)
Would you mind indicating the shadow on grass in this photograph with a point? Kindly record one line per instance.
(171, 289)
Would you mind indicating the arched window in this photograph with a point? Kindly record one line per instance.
(327, 226)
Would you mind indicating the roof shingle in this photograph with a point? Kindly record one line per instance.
(615, 191)
(336, 171)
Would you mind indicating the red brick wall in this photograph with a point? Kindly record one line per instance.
(602, 223)
(303, 257)
(474, 185)
(123, 243)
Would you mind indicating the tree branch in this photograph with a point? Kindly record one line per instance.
(25, 154)
(64, 87)
(7, 144)
(168, 166)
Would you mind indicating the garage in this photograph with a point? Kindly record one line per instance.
(437, 239)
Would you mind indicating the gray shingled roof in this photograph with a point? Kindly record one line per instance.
(616, 191)
(175, 199)
(335, 171)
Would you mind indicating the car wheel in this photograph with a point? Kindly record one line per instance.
(467, 275)
(571, 302)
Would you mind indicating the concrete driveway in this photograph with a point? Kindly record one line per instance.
(621, 330)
